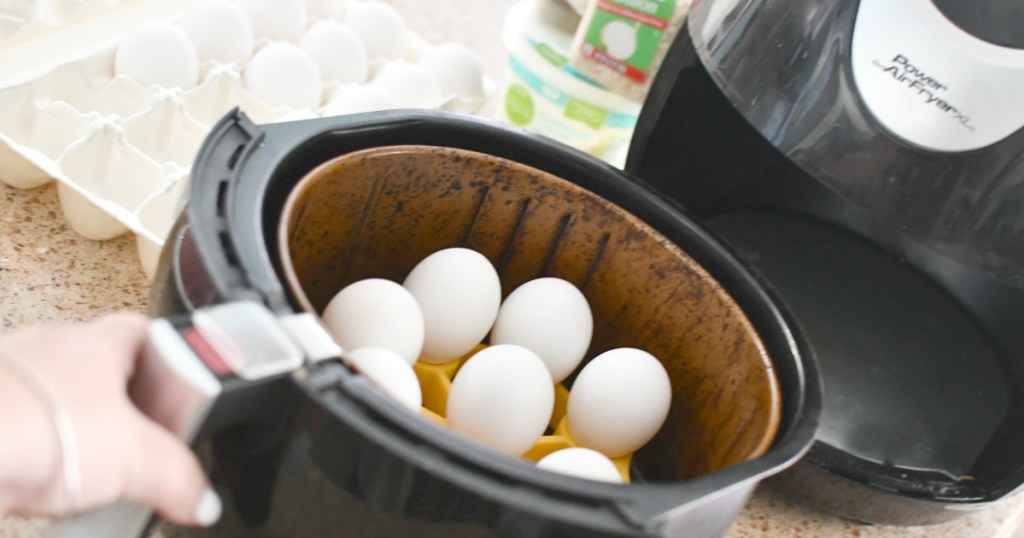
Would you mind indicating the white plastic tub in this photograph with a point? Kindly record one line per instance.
(541, 93)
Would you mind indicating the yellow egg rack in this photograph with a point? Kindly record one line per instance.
(436, 381)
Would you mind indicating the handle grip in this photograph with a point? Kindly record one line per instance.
(172, 386)
(182, 375)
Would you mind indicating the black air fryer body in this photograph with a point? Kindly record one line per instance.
(897, 242)
(339, 458)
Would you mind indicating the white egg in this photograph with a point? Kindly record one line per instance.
(325, 9)
(220, 31)
(502, 397)
(619, 401)
(296, 114)
(550, 317)
(337, 51)
(381, 28)
(158, 53)
(20, 9)
(390, 372)
(284, 74)
(376, 313)
(459, 293)
(581, 463)
(276, 19)
(410, 85)
(458, 69)
(355, 99)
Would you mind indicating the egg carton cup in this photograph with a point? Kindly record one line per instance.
(436, 382)
(120, 152)
(23, 20)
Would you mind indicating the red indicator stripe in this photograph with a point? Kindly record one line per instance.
(206, 352)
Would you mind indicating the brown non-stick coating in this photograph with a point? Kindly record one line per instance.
(378, 212)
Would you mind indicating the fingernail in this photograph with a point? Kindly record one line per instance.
(208, 511)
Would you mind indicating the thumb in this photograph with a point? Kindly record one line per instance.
(167, 475)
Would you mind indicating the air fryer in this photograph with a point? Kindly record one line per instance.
(865, 159)
(368, 195)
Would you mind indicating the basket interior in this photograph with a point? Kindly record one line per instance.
(378, 212)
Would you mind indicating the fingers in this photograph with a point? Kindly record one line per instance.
(122, 453)
(128, 327)
(125, 332)
(167, 476)
(113, 340)
(165, 473)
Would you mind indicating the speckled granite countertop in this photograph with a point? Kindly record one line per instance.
(50, 274)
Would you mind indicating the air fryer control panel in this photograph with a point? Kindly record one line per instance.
(930, 82)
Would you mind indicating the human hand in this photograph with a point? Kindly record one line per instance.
(121, 453)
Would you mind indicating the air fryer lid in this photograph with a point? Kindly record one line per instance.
(902, 266)
(243, 176)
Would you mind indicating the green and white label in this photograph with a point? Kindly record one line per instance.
(625, 34)
(519, 105)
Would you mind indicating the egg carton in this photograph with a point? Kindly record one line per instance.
(119, 151)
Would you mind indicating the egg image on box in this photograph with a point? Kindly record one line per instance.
(158, 53)
(619, 39)
(409, 85)
(337, 51)
(355, 99)
(619, 401)
(376, 313)
(502, 397)
(388, 371)
(459, 292)
(457, 69)
(381, 28)
(276, 19)
(282, 74)
(581, 463)
(220, 31)
(550, 317)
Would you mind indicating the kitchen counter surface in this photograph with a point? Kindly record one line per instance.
(50, 274)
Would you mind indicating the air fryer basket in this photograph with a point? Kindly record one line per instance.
(375, 213)
(386, 189)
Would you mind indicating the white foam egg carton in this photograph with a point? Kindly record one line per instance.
(120, 152)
